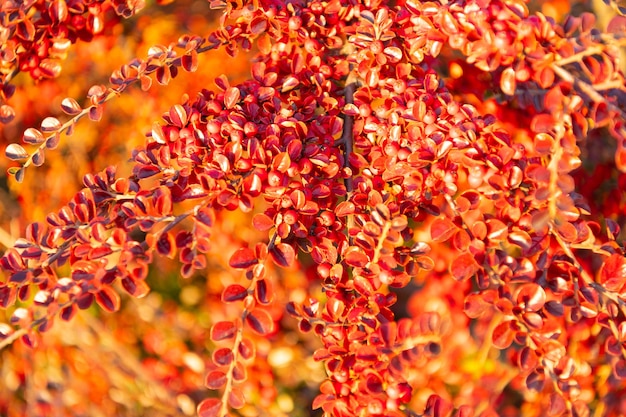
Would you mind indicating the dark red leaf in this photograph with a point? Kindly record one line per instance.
(215, 380)
(166, 246)
(247, 349)
(263, 292)
(223, 356)
(283, 255)
(108, 299)
(234, 292)
(135, 287)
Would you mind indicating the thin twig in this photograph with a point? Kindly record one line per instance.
(585, 88)
(12, 338)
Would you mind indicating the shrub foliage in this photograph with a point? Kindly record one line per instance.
(424, 198)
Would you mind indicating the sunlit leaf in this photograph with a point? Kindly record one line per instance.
(15, 152)
(33, 136)
(70, 106)
(260, 321)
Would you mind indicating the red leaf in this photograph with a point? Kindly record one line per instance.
(178, 115)
(246, 349)
(503, 335)
(234, 292)
(356, 257)
(236, 399)
(464, 267)
(7, 113)
(613, 273)
(136, 288)
(260, 321)
(531, 297)
(475, 305)
(542, 123)
(243, 258)
(166, 245)
(215, 380)
(442, 230)
(231, 97)
(223, 330)
(223, 356)
(283, 255)
(190, 61)
(163, 75)
(210, 408)
(108, 299)
(345, 208)
(95, 113)
(263, 292)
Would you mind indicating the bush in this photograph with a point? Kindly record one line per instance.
(407, 208)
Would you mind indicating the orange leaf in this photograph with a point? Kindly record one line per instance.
(463, 267)
(613, 273)
(442, 230)
(283, 254)
(108, 299)
(243, 258)
(260, 321)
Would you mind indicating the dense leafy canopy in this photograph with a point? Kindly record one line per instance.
(403, 208)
